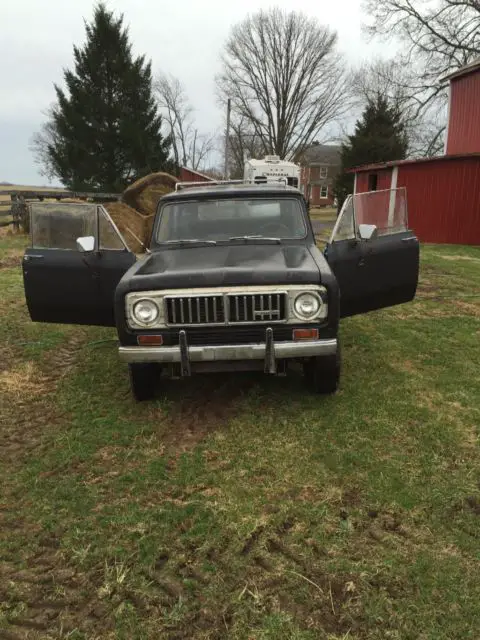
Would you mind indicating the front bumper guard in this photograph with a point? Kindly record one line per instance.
(269, 352)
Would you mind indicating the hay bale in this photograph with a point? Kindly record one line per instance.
(144, 194)
(131, 224)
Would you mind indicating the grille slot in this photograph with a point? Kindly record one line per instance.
(257, 307)
(195, 310)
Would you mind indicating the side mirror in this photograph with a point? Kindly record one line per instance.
(367, 231)
(86, 244)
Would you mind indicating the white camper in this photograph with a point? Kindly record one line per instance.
(272, 169)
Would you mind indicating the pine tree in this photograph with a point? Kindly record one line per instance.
(104, 131)
(379, 137)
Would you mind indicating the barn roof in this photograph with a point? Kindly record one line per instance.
(321, 154)
(463, 71)
(395, 163)
(197, 173)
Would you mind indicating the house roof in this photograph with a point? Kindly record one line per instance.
(463, 71)
(395, 163)
(321, 154)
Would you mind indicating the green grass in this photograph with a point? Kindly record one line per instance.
(240, 506)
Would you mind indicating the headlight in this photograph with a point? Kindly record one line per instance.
(307, 305)
(145, 311)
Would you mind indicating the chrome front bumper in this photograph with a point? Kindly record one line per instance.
(269, 352)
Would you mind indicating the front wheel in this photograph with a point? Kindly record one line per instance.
(322, 373)
(143, 378)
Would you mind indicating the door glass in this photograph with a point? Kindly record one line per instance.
(386, 209)
(58, 225)
(109, 237)
(344, 228)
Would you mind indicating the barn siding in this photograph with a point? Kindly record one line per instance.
(443, 198)
(464, 116)
(384, 179)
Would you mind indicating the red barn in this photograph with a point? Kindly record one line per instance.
(443, 193)
(463, 129)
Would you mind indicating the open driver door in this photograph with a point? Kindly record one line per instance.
(76, 259)
(373, 254)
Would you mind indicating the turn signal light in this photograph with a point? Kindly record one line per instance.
(305, 334)
(148, 340)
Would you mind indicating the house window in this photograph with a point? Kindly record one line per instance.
(372, 181)
(323, 172)
(324, 192)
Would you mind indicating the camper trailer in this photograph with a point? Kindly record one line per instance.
(272, 169)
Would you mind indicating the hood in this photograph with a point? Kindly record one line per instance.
(226, 265)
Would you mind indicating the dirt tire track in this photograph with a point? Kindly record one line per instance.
(44, 597)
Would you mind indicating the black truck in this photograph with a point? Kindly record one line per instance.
(232, 280)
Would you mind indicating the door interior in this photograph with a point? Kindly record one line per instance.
(76, 259)
(373, 254)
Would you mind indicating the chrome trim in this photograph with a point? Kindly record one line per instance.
(159, 297)
(252, 351)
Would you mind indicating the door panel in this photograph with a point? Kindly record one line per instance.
(64, 285)
(373, 274)
(69, 287)
(380, 272)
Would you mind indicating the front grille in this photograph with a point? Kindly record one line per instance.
(257, 307)
(195, 310)
(226, 309)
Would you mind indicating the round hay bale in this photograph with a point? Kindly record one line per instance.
(144, 194)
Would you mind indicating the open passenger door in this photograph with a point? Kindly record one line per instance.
(76, 260)
(373, 255)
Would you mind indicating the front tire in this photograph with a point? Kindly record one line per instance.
(322, 373)
(143, 378)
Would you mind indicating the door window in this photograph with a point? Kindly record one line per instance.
(344, 228)
(58, 225)
(386, 209)
(109, 236)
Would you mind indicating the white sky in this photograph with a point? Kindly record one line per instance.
(183, 38)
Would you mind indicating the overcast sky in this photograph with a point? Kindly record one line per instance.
(183, 38)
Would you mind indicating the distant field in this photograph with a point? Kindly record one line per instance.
(24, 187)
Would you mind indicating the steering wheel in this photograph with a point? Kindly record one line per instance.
(276, 228)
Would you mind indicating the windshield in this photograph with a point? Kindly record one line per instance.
(224, 220)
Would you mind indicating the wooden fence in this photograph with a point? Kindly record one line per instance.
(17, 207)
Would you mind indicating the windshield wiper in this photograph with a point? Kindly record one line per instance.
(188, 241)
(260, 239)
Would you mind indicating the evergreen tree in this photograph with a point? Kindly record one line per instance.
(104, 131)
(379, 137)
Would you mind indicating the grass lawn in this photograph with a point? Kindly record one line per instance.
(240, 506)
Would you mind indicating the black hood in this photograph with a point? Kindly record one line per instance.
(226, 265)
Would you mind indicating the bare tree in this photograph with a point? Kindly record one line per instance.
(284, 77)
(40, 143)
(391, 79)
(437, 37)
(244, 143)
(190, 148)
